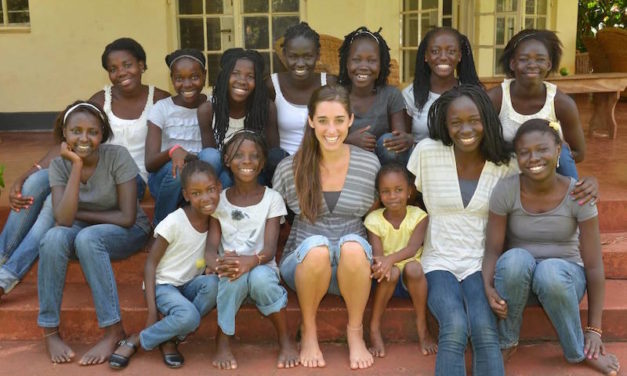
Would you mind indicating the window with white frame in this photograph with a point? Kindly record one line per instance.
(418, 17)
(214, 26)
(14, 13)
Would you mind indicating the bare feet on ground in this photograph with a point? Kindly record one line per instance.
(59, 351)
(224, 358)
(103, 349)
(377, 346)
(310, 354)
(359, 355)
(606, 364)
(507, 353)
(288, 355)
(428, 345)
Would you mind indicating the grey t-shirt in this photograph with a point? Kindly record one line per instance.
(553, 234)
(115, 166)
(388, 100)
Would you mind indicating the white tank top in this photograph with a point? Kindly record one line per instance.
(511, 120)
(130, 133)
(291, 118)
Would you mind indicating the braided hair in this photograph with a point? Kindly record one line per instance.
(301, 30)
(422, 73)
(493, 147)
(384, 55)
(256, 103)
(547, 37)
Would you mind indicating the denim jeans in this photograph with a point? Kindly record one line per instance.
(567, 163)
(261, 284)
(94, 246)
(23, 257)
(387, 156)
(462, 310)
(291, 261)
(182, 308)
(214, 158)
(19, 223)
(558, 285)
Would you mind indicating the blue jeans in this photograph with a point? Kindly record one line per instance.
(558, 285)
(214, 158)
(94, 246)
(23, 257)
(462, 310)
(182, 307)
(19, 223)
(567, 163)
(388, 156)
(261, 284)
(290, 261)
(166, 190)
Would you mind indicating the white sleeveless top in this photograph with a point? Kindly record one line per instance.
(234, 126)
(511, 120)
(291, 118)
(130, 133)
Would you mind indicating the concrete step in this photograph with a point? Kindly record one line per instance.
(614, 247)
(19, 309)
(537, 359)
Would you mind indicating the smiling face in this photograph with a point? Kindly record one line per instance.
(464, 124)
(330, 123)
(246, 162)
(202, 191)
(301, 56)
(188, 79)
(443, 54)
(242, 80)
(531, 61)
(125, 71)
(364, 63)
(83, 133)
(393, 190)
(537, 154)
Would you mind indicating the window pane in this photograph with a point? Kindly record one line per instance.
(500, 5)
(213, 68)
(542, 6)
(190, 6)
(281, 24)
(17, 5)
(428, 21)
(409, 64)
(529, 23)
(19, 17)
(447, 7)
(214, 36)
(410, 30)
(255, 6)
(541, 23)
(18, 11)
(410, 5)
(285, 5)
(509, 31)
(448, 22)
(500, 30)
(256, 32)
(498, 52)
(214, 6)
(277, 66)
(191, 34)
(530, 6)
(429, 4)
(266, 63)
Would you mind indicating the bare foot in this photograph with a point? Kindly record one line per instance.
(103, 349)
(377, 346)
(359, 355)
(310, 354)
(508, 353)
(288, 355)
(224, 358)
(428, 345)
(606, 364)
(58, 350)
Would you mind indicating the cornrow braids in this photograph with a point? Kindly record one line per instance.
(493, 147)
(194, 165)
(547, 37)
(384, 55)
(256, 103)
(422, 73)
(301, 30)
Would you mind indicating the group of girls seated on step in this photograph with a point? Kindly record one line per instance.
(321, 140)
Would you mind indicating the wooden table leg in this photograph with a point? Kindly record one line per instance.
(603, 122)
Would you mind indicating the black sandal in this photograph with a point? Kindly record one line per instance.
(172, 360)
(117, 361)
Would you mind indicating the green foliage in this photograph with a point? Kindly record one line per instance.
(595, 15)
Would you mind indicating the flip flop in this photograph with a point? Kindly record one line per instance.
(117, 361)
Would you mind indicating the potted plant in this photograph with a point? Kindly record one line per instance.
(592, 16)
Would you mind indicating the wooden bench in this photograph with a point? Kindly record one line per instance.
(606, 88)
